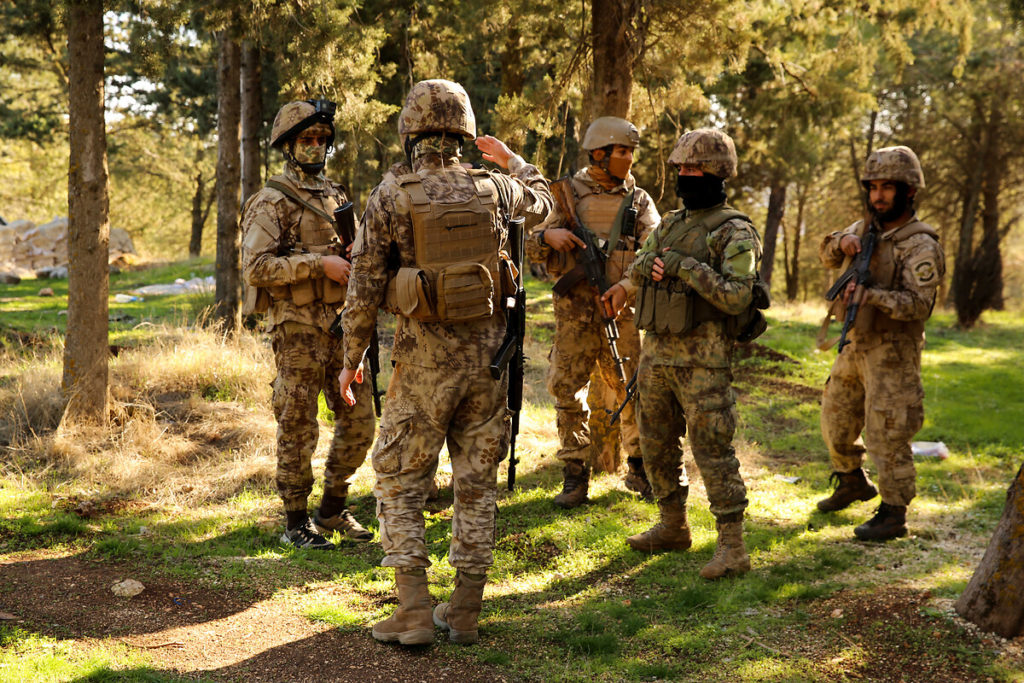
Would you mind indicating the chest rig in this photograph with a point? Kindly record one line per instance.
(671, 306)
(458, 274)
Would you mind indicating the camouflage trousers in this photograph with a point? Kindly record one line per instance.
(427, 408)
(580, 348)
(308, 362)
(674, 398)
(876, 391)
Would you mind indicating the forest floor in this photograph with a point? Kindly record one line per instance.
(179, 496)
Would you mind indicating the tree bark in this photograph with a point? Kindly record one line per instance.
(227, 309)
(85, 379)
(793, 266)
(195, 244)
(614, 43)
(776, 210)
(993, 599)
(252, 118)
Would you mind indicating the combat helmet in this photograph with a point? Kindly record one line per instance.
(707, 149)
(898, 163)
(436, 106)
(610, 130)
(295, 117)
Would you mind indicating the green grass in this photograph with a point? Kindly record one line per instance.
(567, 599)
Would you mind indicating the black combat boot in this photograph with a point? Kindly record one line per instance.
(636, 479)
(850, 487)
(575, 486)
(890, 521)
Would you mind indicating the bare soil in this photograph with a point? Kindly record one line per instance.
(195, 632)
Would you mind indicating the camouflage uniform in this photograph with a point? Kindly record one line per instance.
(579, 341)
(441, 390)
(282, 248)
(708, 258)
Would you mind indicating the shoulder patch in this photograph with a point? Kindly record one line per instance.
(925, 272)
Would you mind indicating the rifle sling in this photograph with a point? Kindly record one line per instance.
(616, 233)
(291, 194)
(569, 280)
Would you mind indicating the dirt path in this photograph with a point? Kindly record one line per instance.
(197, 632)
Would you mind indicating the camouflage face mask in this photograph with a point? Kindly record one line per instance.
(310, 154)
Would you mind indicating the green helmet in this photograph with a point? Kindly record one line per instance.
(707, 149)
(610, 130)
(436, 106)
(295, 117)
(894, 163)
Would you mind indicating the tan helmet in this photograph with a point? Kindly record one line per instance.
(295, 117)
(894, 163)
(707, 149)
(610, 130)
(436, 106)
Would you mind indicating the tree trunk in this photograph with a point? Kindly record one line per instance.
(195, 244)
(776, 209)
(228, 311)
(614, 44)
(85, 380)
(793, 268)
(252, 119)
(993, 599)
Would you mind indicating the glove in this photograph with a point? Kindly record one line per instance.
(677, 265)
(643, 264)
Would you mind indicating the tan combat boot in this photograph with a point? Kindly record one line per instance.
(636, 479)
(850, 488)
(410, 624)
(575, 486)
(671, 533)
(730, 555)
(459, 615)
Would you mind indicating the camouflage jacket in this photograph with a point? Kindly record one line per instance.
(586, 187)
(387, 222)
(725, 281)
(919, 269)
(269, 232)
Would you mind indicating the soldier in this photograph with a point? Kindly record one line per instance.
(606, 201)
(697, 278)
(431, 251)
(875, 383)
(295, 273)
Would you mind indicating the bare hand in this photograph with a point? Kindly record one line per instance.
(345, 383)
(849, 245)
(494, 150)
(336, 268)
(614, 300)
(561, 239)
(850, 292)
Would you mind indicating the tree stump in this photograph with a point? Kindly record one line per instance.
(994, 598)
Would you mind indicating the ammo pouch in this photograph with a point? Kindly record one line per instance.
(322, 289)
(457, 293)
(751, 323)
(665, 307)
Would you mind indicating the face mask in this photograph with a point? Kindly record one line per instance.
(618, 168)
(700, 191)
(310, 158)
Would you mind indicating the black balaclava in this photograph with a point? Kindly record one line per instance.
(900, 203)
(700, 191)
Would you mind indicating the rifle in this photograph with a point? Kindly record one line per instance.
(510, 353)
(859, 272)
(345, 227)
(591, 266)
(630, 392)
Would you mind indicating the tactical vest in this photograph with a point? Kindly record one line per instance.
(884, 272)
(458, 274)
(671, 306)
(313, 234)
(602, 213)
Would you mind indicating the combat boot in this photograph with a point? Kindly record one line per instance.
(334, 515)
(730, 554)
(459, 615)
(890, 521)
(850, 487)
(411, 623)
(671, 533)
(575, 486)
(636, 479)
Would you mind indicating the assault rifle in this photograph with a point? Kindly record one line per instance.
(630, 393)
(345, 227)
(859, 272)
(510, 354)
(591, 265)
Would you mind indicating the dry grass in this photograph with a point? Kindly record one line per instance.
(190, 421)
